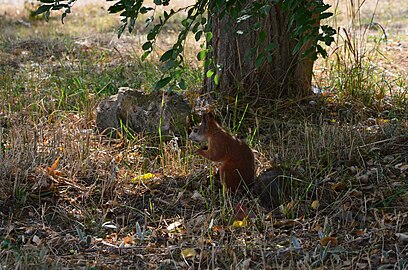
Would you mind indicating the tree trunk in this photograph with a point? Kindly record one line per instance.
(285, 75)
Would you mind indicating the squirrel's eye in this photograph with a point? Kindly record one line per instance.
(195, 129)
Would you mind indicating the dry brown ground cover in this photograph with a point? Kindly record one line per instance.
(71, 198)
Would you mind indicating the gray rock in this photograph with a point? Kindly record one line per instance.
(141, 112)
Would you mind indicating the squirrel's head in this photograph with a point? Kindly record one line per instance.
(200, 133)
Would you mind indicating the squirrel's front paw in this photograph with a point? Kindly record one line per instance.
(201, 150)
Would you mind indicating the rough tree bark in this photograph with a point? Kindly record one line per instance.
(286, 75)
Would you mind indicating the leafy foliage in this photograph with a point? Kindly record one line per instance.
(304, 25)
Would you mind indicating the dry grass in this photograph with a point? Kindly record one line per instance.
(368, 62)
(73, 199)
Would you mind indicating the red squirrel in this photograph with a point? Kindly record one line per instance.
(236, 158)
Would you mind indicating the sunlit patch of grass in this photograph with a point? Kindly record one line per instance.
(360, 69)
(51, 72)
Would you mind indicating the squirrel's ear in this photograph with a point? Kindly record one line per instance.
(204, 120)
(210, 111)
(207, 117)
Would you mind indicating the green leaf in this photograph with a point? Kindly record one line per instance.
(146, 46)
(256, 26)
(265, 10)
(182, 84)
(216, 79)
(208, 36)
(116, 8)
(328, 41)
(132, 22)
(235, 12)
(121, 29)
(43, 9)
(67, 10)
(124, 14)
(202, 55)
(262, 36)
(167, 55)
(145, 55)
(197, 35)
(259, 60)
(207, 63)
(63, 17)
(269, 58)
(151, 35)
(190, 12)
(60, 6)
(162, 83)
(321, 51)
(169, 65)
(325, 15)
(144, 10)
(185, 22)
(177, 74)
(166, 15)
(195, 27)
(157, 2)
(210, 73)
(321, 8)
(271, 46)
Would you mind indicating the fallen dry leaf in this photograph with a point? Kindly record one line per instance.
(36, 240)
(315, 204)
(360, 232)
(216, 228)
(188, 253)
(128, 240)
(53, 169)
(143, 177)
(240, 223)
(174, 225)
(403, 237)
(338, 186)
(329, 239)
